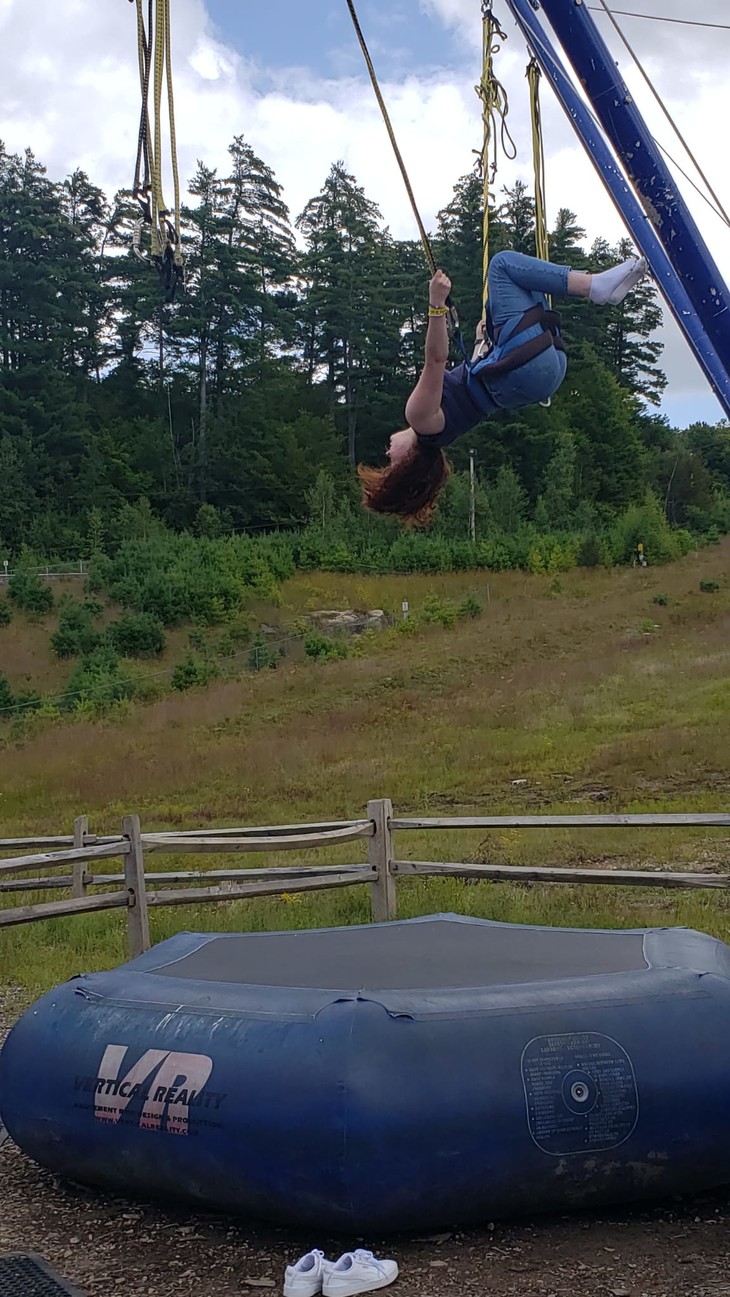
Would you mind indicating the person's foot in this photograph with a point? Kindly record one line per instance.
(358, 1272)
(611, 286)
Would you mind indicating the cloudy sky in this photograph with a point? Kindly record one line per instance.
(288, 76)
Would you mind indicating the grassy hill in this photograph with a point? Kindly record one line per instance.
(563, 693)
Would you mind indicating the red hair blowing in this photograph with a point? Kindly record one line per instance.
(410, 489)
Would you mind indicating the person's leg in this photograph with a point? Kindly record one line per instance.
(516, 281)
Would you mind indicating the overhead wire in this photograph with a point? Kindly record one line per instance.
(664, 18)
(687, 148)
(597, 124)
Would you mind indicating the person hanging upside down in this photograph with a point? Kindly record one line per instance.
(522, 363)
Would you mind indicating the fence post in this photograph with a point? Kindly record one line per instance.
(78, 883)
(380, 853)
(138, 924)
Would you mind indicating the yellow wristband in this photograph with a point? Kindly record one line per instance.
(437, 310)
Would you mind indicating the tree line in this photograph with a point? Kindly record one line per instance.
(247, 401)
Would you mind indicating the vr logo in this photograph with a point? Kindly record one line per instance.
(169, 1082)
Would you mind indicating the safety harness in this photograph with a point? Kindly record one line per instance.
(524, 352)
(482, 371)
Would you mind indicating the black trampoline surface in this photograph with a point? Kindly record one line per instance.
(409, 956)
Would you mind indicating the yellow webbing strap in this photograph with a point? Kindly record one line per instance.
(173, 131)
(542, 247)
(495, 106)
(156, 37)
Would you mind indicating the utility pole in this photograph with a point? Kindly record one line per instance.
(472, 499)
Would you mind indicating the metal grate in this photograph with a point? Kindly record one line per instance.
(30, 1276)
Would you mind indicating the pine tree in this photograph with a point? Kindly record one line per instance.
(85, 209)
(459, 246)
(610, 459)
(558, 484)
(256, 220)
(566, 241)
(344, 304)
(517, 214)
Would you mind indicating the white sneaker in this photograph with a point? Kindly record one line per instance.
(357, 1272)
(306, 1277)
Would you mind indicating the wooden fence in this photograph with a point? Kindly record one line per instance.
(137, 891)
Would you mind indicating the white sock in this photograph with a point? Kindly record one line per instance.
(611, 286)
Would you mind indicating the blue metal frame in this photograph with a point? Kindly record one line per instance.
(686, 274)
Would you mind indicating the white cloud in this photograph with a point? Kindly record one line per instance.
(69, 90)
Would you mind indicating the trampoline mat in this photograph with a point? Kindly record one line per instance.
(409, 956)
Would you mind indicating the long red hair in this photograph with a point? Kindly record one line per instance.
(409, 489)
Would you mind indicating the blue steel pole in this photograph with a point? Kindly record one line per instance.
(628, 133)
(625, 200)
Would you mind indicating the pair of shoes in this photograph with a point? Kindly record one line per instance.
(355, 1272)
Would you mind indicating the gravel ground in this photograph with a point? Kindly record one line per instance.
(114, 1247)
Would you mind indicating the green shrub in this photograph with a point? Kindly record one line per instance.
(193, 673)
(28, 701)
(190, 578)
(589, 551)
(7, 700)
(407, 625)
(709, 587)
(552, 554)
(98, 681)
(227, 646)
(76, 633)
(5, 613)
(365, 642)
(27, 591)
(137, 635)
(323, 648)
(438, 610)
(646, 524)
(262, 656)
(661, 599)
(469, 607)
(236, 635)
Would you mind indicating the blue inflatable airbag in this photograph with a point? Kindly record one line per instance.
(437, 1071)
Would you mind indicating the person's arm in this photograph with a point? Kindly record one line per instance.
(423, 409)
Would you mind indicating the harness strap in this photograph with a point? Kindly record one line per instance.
(535, 315)
(526, 351)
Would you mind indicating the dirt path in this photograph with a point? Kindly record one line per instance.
(112, 1247)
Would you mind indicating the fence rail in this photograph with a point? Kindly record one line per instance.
(137, 891)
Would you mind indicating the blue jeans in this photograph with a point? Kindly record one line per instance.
(517, 283)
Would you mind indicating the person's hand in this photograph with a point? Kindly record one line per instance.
(402, 446)
(439, 289)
